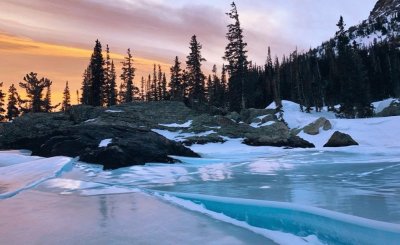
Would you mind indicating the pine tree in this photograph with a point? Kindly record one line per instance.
(97, 76)
(66, 103)
(210, 90)
(127, 76)
(121, 93)
(148, 88)
(164, 92)
(2, 110)
(142, 93)
(195, 75)
(12, 109)
(107, 76)
(34, 91)
(176, 82)
(154, 89)
(159, 83)
(86, 87)
(235, 54)
(112, 86)
(47, 107)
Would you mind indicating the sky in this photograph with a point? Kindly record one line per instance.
(55, 38)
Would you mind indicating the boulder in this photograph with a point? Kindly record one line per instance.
(313, 128)
(54, 134)
(234, 116)
(297, 142)
(248, 115)
(202, 140)
(392, 110)
(339, 139)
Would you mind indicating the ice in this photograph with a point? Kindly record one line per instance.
(105, 142)
(176, 125)
(14, 157)
(330, 227)
(276, 236)
(36, 217)
(23, 176)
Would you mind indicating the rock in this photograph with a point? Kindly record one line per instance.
(313, 128)
(339, 139)
(276, 134)
(392, 110)
(82, 113)
(297, 142)
(234, 116)
(202, 140)
(248, 115)
(54, 134)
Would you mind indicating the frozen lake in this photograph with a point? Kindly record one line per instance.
(62, 201)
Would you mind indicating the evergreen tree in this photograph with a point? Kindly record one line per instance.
(148, 88)
(47, 107)
(176, 82)
(164, 92)
(97, 76)
(210, 90)
(154, 89)
(66, 103)
(2, 110)
(12, 109)
(159, 83)
(112, 86)
(34, 91)
(121, 93)
(86, 87)
(195, 75)
(142, 92)
(107, 75)
(235, 54)
(127, 76)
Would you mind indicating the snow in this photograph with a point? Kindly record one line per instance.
(114, 111)
(90, 120)
(378, 133)
(105, 142)
(381, 105)
(259, 125)
(14, 157)
(297, 119)
(176, 125)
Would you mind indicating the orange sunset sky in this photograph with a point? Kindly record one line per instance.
(55, 38)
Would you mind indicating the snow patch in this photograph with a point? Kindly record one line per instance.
(176, 125)
(105, 142)
(114, 111)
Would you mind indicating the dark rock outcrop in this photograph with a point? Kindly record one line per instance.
(57, 134)
(313, 128)
(202, 140)
(339, 139)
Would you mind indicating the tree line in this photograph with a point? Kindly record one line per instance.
(341, 75)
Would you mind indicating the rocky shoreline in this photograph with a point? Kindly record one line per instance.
(129, 132)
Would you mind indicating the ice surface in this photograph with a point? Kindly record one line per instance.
(14, 157)
(37, 217)
(22, 176)
(331, 227)
(105, 142)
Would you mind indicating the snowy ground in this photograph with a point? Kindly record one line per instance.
(280, 195)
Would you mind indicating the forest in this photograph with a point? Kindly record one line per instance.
(341, 75)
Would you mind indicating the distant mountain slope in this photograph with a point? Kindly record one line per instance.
(383, 24)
